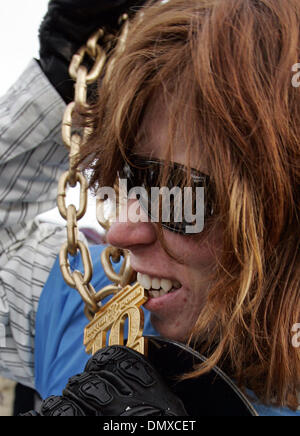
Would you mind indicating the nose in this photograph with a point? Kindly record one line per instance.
(130, 234)
(127, 235)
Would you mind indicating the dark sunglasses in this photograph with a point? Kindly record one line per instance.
(149, 173)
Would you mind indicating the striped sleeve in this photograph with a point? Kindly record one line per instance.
(32, 158)
(31, 153)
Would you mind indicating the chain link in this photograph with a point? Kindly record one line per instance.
(73, 140)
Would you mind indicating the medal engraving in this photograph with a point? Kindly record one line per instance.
(125, 305)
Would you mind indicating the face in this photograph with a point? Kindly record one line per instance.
(173, 313)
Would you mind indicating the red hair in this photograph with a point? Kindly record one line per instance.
(228, 65)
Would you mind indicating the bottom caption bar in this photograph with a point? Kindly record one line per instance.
(135, 425)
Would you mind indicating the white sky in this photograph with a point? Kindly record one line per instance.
(19, 24)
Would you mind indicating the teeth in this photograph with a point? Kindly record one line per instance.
(155, 283)
(166, 285)
(154, 294)
(157, 287)
(144, 280)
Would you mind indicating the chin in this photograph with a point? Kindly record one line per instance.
(168, 331)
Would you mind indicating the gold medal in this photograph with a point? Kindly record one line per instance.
(110, 321)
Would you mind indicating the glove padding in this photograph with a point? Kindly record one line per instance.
(117, 381)
(67, 26)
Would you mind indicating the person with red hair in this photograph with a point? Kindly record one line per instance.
(203, 97)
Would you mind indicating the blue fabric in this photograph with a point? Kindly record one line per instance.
(263, 410)
(60, 323)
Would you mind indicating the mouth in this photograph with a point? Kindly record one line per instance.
(157, 287)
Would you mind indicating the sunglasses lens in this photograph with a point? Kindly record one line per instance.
(166, 204)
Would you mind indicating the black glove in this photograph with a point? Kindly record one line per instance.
(67, 26)
(117, 381)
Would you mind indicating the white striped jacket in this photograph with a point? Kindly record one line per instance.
(32, 158)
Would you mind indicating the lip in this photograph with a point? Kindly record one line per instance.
(164, 302)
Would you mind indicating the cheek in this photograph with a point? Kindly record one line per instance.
(199, 252)
(201, 258)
